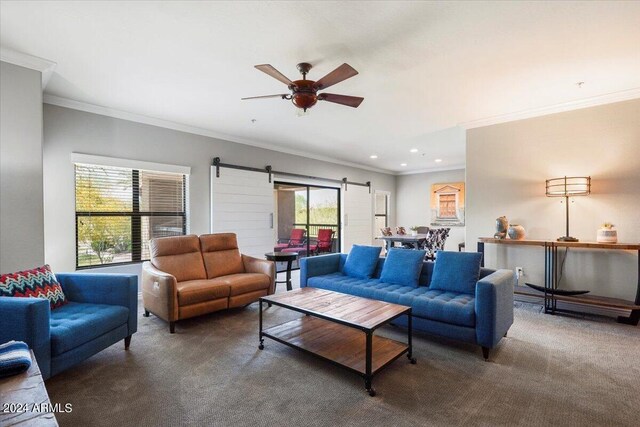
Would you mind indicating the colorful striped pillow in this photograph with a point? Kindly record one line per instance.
(36, 283)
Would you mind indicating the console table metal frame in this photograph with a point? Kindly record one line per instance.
(552, 275)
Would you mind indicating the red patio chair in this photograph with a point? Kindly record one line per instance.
(296, 240)
(324, 242)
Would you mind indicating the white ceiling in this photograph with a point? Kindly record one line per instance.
(425, 67)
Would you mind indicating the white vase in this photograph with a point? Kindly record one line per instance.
(607, 235)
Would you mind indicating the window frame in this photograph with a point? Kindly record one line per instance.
(135, 214)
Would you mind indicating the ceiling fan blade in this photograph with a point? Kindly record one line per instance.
(268, 69)
(349, 101)
(341, 73)
(283, 96)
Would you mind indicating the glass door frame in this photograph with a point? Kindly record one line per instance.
(338, 190)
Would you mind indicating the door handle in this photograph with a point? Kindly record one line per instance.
(271, 219)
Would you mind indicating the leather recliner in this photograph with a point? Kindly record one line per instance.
(189, 276)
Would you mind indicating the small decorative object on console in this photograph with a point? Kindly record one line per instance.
(516, 232)
(386, 231)
(414, 230)
(502, 224)
(607, 233)
(400, 231)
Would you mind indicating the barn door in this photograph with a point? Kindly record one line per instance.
(357, 217)
(242, 202)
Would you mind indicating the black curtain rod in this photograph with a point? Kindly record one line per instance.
(267, 169)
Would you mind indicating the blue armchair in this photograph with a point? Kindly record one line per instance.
(102, 310)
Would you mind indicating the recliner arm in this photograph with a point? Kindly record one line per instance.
(28, 320)
(159, 292)
(257, 265)
(494, 307)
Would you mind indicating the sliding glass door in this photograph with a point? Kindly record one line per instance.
(307, 218)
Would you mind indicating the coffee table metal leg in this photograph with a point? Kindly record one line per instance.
(261, 346)
(410, 339)
(368, 377)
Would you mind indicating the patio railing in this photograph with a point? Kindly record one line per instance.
(313, 229)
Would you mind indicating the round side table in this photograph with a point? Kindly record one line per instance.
(287, 257)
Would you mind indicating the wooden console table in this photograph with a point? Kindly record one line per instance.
(551, 276)
(26, 399)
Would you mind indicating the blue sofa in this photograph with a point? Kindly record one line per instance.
(101, 311)
(483, 318)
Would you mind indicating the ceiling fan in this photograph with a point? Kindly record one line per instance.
(304, 93)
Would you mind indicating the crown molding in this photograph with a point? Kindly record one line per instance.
(14, 57)
(167, 124)
(609, 98)
(436, 169)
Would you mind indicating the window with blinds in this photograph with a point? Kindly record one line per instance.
(119, 210)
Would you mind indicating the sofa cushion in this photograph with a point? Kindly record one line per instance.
(195, 291)
(340, 282)
(179, 256)
(456, 271)
(361, 261)
(76, 323)
(221, 254)
(245, 282)
(35, 283)
(444, 306)
(402, 267)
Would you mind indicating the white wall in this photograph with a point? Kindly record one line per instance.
(507, 165)
(67, 131)
(413, 200)
(21, 207)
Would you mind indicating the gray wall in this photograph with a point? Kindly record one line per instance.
(21, 207)
(413, 201)
(67, 131)
(507, 165)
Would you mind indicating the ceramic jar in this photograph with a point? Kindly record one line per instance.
(516, 232)
(502, 224)
(607, 235)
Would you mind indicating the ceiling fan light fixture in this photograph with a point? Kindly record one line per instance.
(304, 93)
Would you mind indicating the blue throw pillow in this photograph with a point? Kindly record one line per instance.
(361, 261)
(403, 267)
(456, 271)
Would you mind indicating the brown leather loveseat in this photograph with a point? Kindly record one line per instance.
(189, 276)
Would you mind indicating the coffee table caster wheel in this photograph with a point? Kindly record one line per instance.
(413, 360)
(371, 392)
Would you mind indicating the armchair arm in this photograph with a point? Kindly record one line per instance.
(318, 266)
(159, 292)
(256, 265)
(27, 319)
(494, 307)
(110, 289)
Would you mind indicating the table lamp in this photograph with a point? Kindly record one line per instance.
(566, 187)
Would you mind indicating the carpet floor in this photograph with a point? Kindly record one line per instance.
(550, 370)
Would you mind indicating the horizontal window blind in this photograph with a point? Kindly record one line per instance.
(118, 210)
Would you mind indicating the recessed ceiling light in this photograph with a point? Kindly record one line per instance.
(373, 156)
(413, 150)
(438, 160)
(403, 164)
(253, 120)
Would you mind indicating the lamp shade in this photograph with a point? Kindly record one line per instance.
(569, 186)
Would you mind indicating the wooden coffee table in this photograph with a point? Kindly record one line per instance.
(340, 328)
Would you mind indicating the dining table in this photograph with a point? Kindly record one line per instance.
(415, 241)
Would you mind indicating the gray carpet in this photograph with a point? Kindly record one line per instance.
(550, 370)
